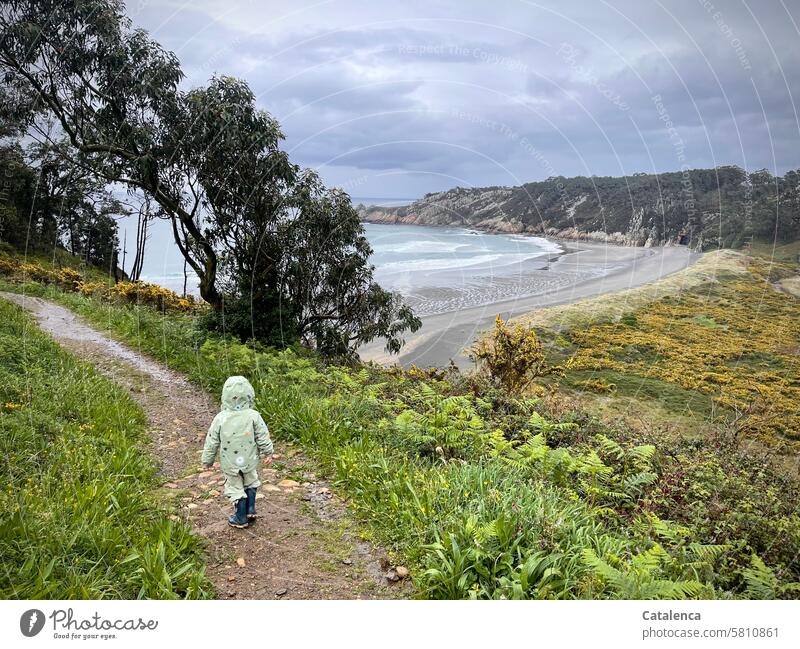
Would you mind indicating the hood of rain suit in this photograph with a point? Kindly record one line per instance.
(237, 394)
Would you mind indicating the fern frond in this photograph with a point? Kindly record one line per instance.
(610, 447)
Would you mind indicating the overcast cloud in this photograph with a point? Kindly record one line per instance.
(395, 99)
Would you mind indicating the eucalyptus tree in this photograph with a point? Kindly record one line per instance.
(113, 93)
(294, 261)
(327, 275)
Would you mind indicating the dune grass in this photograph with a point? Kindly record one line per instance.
(79, 517)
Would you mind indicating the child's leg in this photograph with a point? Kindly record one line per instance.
(250, 479)
(234, 490)
(234, 486)
(251, 483)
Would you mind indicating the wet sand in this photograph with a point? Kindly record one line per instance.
(584, 270)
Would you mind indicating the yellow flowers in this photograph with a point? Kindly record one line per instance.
(69, 278)
(10, 405)
(151, 295)
(90, 288)
(129, 292)
(737, 340)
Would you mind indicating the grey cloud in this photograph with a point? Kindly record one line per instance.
(485, 93)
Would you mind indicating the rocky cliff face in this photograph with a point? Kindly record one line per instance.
(702, 208)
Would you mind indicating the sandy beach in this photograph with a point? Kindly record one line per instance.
(583, 270)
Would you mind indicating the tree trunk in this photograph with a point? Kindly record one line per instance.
(141, 240)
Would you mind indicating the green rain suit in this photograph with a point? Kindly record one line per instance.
(240, 435)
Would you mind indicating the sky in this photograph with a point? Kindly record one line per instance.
(397, 99)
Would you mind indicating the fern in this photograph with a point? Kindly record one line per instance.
(610, 447)
(760, 579)
(642, 577)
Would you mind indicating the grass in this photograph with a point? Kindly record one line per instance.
(787, 252)
(669, 397)
(488, 496)
(78, 514)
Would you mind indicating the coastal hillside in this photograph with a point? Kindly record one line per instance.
(702, 208)
(517, 481)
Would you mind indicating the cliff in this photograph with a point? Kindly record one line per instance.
(702, 208)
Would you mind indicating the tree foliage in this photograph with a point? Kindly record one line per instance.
(264, 237)
(47, 202)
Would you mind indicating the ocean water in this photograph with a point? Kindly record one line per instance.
(436, 269)
(408, 258)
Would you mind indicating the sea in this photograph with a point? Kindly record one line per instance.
(437, 269)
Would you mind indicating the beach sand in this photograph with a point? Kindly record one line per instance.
(583, 270)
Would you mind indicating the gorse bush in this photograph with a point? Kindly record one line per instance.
(77, 514)
(513, 356)
(70, 279)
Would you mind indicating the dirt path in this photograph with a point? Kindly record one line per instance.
(303, 546)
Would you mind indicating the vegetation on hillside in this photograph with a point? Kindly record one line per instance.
(70, 279)
(703, 208)
(737, 342)
(489, 495)
(716, 343)
(45, 202)
(78, 515)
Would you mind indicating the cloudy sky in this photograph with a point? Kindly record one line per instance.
(396, 99)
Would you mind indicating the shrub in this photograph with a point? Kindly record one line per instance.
(513, 356)
(67, 278)
(265, 320)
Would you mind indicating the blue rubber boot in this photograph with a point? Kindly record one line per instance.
(251, 503)
(239, 518)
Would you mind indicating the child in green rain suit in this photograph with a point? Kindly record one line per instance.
(240, 435)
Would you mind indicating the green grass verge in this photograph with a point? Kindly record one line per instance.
(79, 517)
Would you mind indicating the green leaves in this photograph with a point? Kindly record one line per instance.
(762, 583)
(446, 428)
(643, 577)
(79, 518)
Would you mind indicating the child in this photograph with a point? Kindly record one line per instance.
(240, 435)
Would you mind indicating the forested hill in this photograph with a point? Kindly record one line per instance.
(703, 208)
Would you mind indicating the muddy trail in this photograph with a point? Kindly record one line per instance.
(302, 546)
